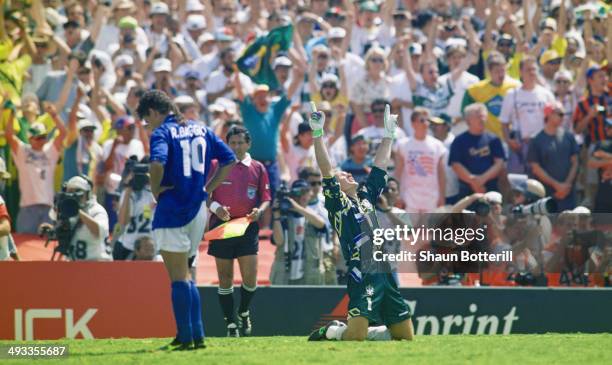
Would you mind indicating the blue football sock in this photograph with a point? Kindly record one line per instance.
(181, 305)
(196, 313)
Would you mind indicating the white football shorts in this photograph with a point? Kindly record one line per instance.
(183, 239)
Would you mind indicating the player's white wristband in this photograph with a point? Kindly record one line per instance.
(214, 206)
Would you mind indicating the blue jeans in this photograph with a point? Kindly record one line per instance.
(273, 176)
(112, 213)
(31, 217)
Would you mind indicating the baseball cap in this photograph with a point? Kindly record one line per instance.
(415, 49)
(549, 55)
(192, 74)
(336, 11)
(282, 61)
(552, 107)
(299, 186)
(123, 4)
(329, 77)
(224, 35)
(193, 5)
(493, 197)
(85, 123)
(356, 138)
(580, 210)
(3, 173)
(563, 74)
(159, 8)
(261, 88)
(216, 108)
(205, 37)
(37, 129)
(303, 128)
(549, 23)
(123, 60)
(195, 22)
(369, 6)
(184, 100)
(128, 22)
(123, 122)
(161, 65)
(336, 32)
(437, 120)
(78, 183)
(592, 71)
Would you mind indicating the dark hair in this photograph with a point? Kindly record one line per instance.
(159, 101)
(417, 112)
(224, 52)
(139, 91)
(307, 171)
(236, 130)
(71, 24)
(379, 101)
(140, 240)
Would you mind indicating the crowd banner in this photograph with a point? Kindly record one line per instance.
(53, 300)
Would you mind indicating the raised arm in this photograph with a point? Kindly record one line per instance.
(383, 154)
(409, 70)
(237, 85)
(317, 121)
(73, 133)
(9, 133)
(488, 43)
(59, 124)
(296, 80)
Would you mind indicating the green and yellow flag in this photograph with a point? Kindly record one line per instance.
(256, 60)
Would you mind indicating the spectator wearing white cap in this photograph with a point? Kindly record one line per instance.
(156, 31)
(209, 59)
(89, 239)
(568, 92)
(82, 151)
(36, 162)
(282, 70)
(162, 69)
(127, 75)
(195, 26)
(188, 107)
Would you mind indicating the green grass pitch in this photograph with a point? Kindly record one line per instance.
(454, 349)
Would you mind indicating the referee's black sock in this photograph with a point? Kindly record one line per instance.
(226, 300)
(246, 295)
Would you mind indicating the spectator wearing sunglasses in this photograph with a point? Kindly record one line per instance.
(550, 63)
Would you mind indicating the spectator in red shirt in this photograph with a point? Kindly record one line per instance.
(244, 193)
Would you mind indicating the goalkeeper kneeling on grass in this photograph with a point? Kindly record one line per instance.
(373, 293)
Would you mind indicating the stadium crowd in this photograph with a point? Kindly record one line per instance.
(504, 102)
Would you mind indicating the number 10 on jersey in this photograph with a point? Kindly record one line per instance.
(193, 155)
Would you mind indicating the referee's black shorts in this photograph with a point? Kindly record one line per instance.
(232, 248)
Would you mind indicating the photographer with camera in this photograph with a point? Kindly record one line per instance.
(136, 208)
(81, 226)
(529, 229)
(297, 232)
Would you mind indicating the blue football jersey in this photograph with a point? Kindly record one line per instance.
(185, 150)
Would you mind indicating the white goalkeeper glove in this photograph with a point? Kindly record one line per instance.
(316, 121)
(390, 123)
